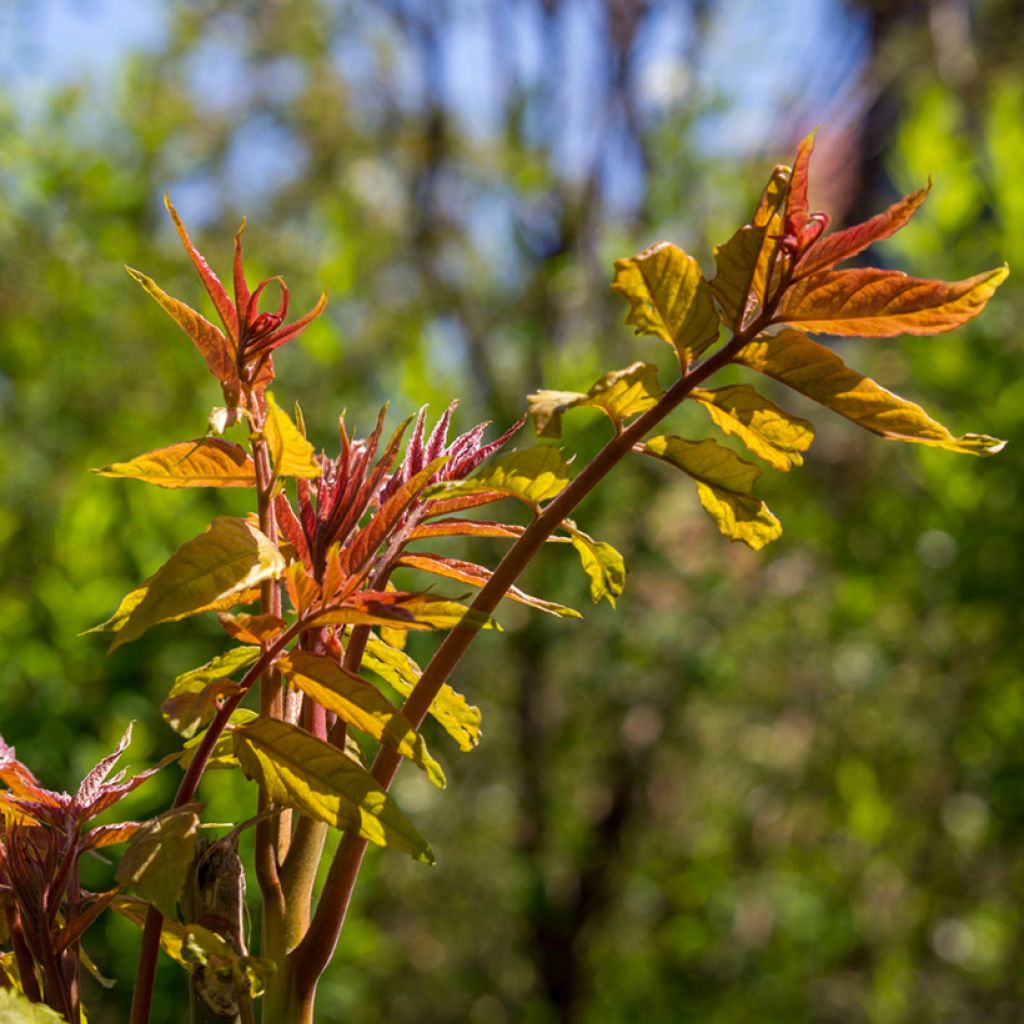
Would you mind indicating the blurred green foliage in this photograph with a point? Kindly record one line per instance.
(786, 786)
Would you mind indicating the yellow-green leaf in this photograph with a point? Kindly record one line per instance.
(533, 475)
(134, 598)
(453, 713)
(604, 566)
(206, 462)
(157, 859)
(817, 372)
(724, 482)
(875, 303)
(768, 431)
(290, 452)
(230, 557)
(192, 700)
(360, 703)
(618, 394)
(298, 770)
(744, 262)
(668, 298)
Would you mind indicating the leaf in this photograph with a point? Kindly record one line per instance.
(133, 599)
(252, 629)
(874, 303)
(744, 262)
(421, 613)
(793, 359)
(768, 431)
(216, 291)
(297, 770)
(208, 339)
(668, 298)
(842, 245)
(206, 462)
(291, 454)
(361, 704)
(477, 576)
(465, 528)
(16, 1009)
(157, 860)
(194, 697)
(357, 553)
(724, 482)
(458, 718)
(227, 559)
(603, 565)
(532, 475)
(303, 590)
(619, 394)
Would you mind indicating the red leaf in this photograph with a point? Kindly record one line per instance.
(841, 245)
(221, 300)
(797, 207)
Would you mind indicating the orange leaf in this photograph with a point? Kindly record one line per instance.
(252, 629)
(883, 303)
(207, 462)
(840, 246)
(210, 340)
(466, 528)
(798, 208)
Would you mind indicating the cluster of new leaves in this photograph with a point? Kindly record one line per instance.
(775, 282)
(43, 835)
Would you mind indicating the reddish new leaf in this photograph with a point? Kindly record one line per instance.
(217, 292)
(209, 340)
(842, 245)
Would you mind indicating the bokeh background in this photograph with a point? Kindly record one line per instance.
(781, 787)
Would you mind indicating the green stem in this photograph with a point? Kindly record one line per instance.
(312, 955)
